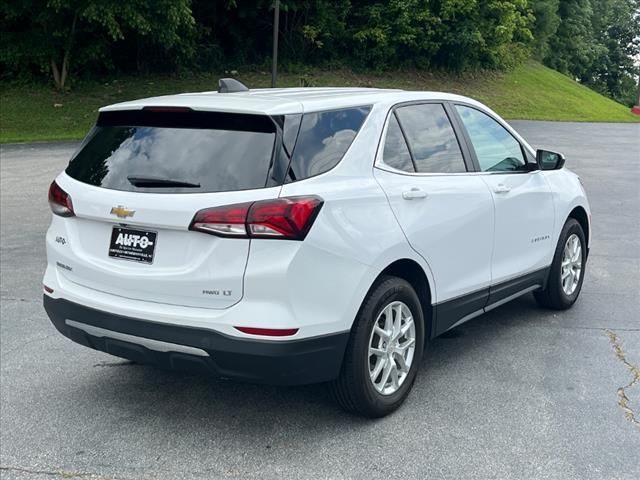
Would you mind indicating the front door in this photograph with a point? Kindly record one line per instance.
(523, 204)
(445, 212)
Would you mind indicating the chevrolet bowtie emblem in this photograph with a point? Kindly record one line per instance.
(122, 212)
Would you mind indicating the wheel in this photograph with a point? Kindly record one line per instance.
(384, 352)
(567, 270)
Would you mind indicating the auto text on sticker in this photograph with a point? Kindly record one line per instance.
(132, 240)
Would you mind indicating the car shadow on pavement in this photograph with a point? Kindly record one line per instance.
(142, 395)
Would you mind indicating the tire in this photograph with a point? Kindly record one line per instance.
(554, 295)
(354, 390)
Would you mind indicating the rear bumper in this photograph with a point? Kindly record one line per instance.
(292, 362)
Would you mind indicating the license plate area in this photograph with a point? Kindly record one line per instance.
(132, 244)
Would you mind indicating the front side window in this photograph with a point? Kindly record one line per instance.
(431, 138)
(495, 147)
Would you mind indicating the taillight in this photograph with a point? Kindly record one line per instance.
(227, 221)
(288, 218)
(60, 201)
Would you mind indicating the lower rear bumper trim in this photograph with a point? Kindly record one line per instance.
(145, 342)
(177, 347)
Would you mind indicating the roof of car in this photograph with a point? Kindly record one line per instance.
(278, 101)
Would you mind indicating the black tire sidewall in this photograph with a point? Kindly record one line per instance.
(555, 275)
(390, 290)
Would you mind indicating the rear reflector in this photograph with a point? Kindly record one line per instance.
(60, 201)
(288, 218)
(269, 332)
(48, 289)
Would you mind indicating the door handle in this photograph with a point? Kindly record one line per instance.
(501, 188)
(413, 194)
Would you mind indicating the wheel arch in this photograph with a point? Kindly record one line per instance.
(412, 272)
(580, 215)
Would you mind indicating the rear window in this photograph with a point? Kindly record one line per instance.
(195, 152)
(186, 152)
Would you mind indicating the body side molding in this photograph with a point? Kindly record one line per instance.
(451, 313)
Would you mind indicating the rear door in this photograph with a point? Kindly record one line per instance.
(524, 218)
(445, 212)
(136, 184)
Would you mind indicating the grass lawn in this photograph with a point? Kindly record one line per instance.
(532, 91)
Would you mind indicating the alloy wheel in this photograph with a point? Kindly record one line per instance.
(392, 346)
(571, 266)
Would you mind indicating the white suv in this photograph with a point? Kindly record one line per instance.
(293, 236)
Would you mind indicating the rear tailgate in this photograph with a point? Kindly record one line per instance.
(133, 239)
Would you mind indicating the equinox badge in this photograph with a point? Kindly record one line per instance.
(122, 212)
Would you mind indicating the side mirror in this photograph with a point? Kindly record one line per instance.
(548, 160)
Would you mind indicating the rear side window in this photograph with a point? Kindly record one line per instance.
(323, 139)
(191, 152)
(431, 138)
(396, 153)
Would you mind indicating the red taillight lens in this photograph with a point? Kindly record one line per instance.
(269, 332)
(289, 218)
(285, 218)
(60, 201)
(227, 221)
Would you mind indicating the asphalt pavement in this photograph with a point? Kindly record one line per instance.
(519, 393)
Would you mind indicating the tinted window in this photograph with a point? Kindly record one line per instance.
(323, 140)
(496, 149)
(396, 153)
(290, 131)
(431, 138)
(216, 159)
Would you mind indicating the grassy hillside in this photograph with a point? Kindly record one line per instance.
(532, 91)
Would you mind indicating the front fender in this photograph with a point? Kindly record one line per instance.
(568, 194)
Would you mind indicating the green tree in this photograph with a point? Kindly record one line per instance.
(392, 33)
(546, 24)
(505, 27)
(597, 43)
(616, 26)
(573, 48)
(454, 34)
(54, 35)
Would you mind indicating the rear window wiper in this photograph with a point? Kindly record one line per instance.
(156, 182)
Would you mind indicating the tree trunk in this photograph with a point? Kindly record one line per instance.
(60, 74)
(56, 74)
(65, 69)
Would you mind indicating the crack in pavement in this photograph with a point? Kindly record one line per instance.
(623, 400)
(61, 473)
(602, 329)
(19, 299)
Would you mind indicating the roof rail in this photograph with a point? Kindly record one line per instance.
(231, 85)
